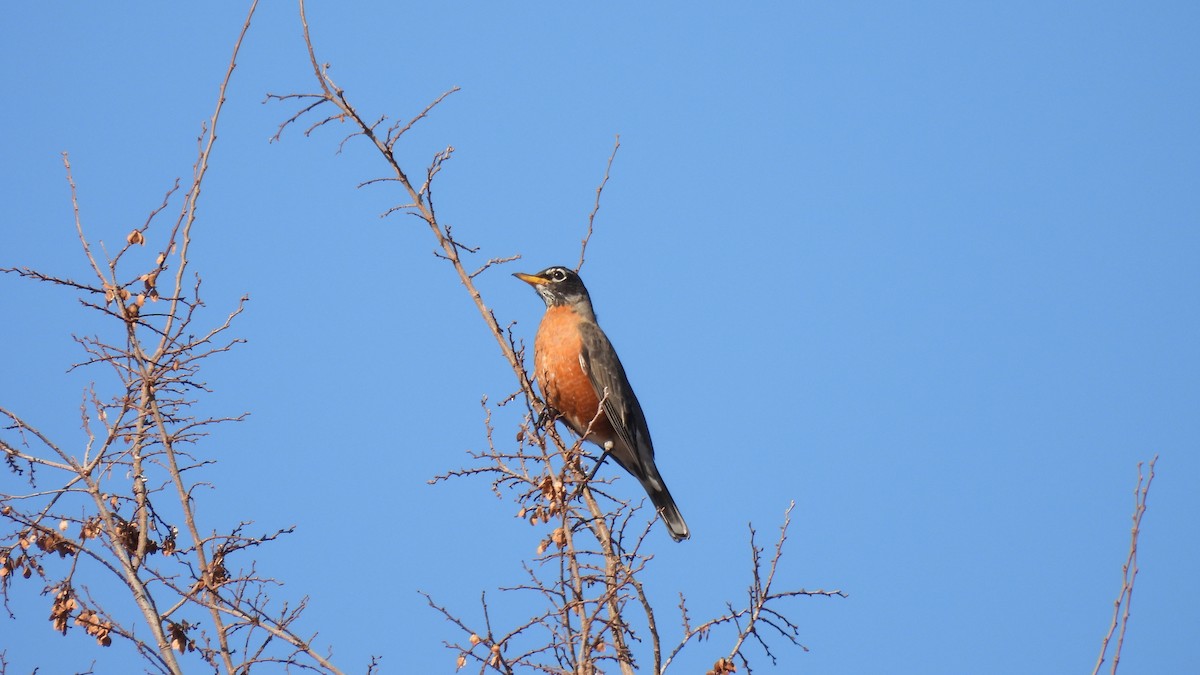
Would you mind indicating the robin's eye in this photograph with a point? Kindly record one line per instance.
(558, 275)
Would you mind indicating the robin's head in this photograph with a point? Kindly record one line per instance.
(557, 286)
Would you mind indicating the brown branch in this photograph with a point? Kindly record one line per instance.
(39, 276)
(1129, 573)
(393, 135)
(147, 369)
(78, 222)
(595, 209)
(419, 201)
(495, 261)
(759, 609)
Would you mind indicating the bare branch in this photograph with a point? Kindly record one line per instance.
(394, 134)
(1129, 573)
(759, 612)
(596, 209)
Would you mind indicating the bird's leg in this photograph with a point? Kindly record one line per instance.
(603, 456)
(584, 483)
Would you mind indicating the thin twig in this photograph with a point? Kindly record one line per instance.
(1129, 573)
(595, 209)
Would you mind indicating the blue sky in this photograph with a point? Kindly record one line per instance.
(929, 270)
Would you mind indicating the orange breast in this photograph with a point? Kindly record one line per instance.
(564, 384)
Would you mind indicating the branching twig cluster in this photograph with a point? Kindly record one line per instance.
(585, 567)
(760, 613)
(118, 509)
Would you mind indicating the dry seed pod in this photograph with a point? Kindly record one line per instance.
(474, 639)
(462, 661)
(136, 237)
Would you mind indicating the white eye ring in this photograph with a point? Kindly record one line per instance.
(559, 275)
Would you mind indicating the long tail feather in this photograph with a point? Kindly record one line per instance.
(671, 516)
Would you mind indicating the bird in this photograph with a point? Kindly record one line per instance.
(583, 381)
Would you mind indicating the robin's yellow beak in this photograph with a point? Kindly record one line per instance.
(532, 279)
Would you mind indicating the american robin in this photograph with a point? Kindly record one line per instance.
(577, 368)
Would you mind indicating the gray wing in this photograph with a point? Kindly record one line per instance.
(632, 448)
(599, 360)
